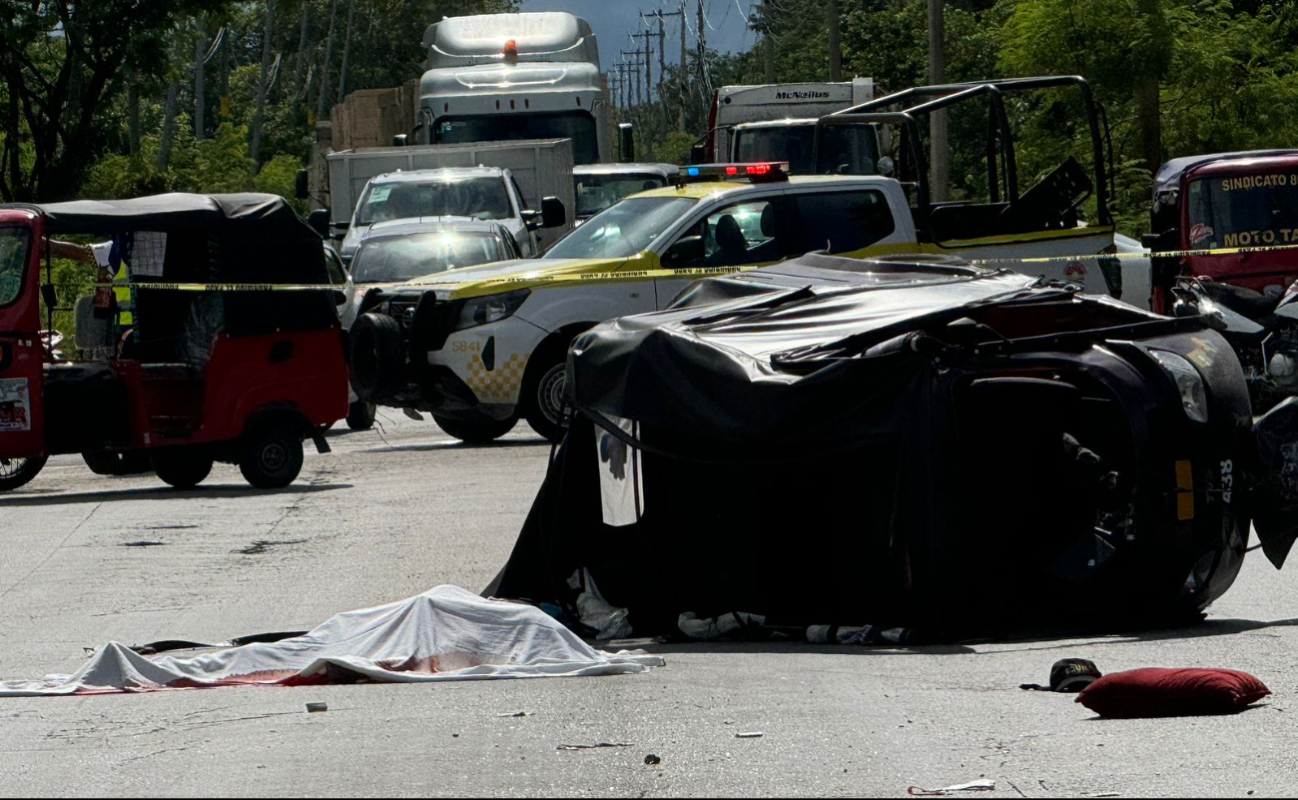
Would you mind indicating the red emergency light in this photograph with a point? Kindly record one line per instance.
(762, 172)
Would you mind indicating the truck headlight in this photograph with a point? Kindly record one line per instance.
(482, 310)
(1194, 398)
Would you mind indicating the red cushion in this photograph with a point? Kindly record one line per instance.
(1172, 693)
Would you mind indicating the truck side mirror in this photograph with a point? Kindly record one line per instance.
(698, 153)
(626, 142)
(302, 185)
(685, 251)
(319, 222)
(400, 140)
(50, 295)
(553, 214)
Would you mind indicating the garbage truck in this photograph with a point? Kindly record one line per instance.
(496, 77)
(774, 122)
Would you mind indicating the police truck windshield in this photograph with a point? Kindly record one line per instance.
(577, 126)
(481, 198)
(623, 230)
(1243, 211)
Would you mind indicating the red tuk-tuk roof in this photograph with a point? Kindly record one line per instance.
(1169, 175)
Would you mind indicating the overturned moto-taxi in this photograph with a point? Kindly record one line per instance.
(902, 442)
(193, 356)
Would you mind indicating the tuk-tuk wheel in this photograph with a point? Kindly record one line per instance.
(360, 416)
(16, 472)
(272, 456)
(181, 468)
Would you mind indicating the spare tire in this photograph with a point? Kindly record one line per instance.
(378, 364)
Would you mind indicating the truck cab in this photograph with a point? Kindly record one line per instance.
(500, 77)
(1225, 201)
(784, 110)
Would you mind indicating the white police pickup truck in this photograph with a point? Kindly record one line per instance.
(481, 347)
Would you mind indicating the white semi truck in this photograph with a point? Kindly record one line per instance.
(496, 77)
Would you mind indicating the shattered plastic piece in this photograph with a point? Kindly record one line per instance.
(514, 714)
(652, 760)
(750, 735)
(596, 746)
(982, 785)
(316, 708)
(709, 629)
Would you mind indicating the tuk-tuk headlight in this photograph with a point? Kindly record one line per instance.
(484, 310)
(1189, 383)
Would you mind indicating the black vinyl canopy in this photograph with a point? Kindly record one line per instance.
(250, 237)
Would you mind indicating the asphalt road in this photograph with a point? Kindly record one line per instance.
(85, 560)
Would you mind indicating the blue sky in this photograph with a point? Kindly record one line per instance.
(613, 20)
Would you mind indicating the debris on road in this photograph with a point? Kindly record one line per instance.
(750, 735)
(982, 785)
(1068, 676)
(316, 708)
(514, 714)
(652, 760)
(596, 746)
(445, 634)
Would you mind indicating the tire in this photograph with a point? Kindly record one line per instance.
(116, 464)
(477, 430)
(360, 416)
(18, 472)
(272, 456)
(182, 468)
(544, 392)
(377, 362)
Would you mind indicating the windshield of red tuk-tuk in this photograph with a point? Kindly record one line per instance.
(1243, 211)
(14, 244)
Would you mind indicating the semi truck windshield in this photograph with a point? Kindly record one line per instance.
(577, 126)
(1243, 211)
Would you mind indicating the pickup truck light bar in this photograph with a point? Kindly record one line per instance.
(761, 172)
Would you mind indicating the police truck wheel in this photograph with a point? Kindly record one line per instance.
(545, 392)
(272, 456)
(476, 430)
(180, 468)
(16, 472)
(360, 416)
(377, 361)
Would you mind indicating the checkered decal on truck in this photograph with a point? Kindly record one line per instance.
(501, 385)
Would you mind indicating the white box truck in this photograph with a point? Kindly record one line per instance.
(494, 77)
(542, 169)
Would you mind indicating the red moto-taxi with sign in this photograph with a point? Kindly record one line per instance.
(197, 355)
(1225, 202)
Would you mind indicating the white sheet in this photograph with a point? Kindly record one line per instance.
(444, 634)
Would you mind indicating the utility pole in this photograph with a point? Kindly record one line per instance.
(634, 62)
(661, 16)
(835, 42)
(940, 172)
(647, 53)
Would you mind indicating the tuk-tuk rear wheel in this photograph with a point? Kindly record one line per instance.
(181, 468)
(272, 456)
(17, 472)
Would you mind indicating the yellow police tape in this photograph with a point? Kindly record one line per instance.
(638, 274)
